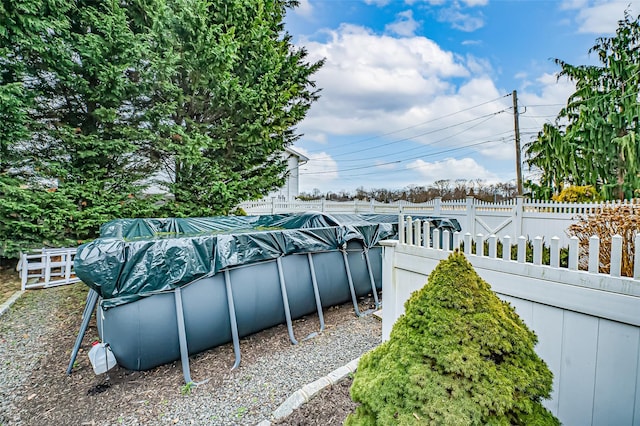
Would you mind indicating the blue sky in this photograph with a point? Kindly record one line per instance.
(414, 91)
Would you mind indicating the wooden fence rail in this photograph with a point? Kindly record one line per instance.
(48, 267)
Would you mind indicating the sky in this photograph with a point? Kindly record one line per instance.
(415, 91)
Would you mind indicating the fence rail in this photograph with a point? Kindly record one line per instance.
(418, 233)
(48, 267)
(514, 217)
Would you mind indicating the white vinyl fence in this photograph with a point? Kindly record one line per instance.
(48, 267)
(515, 217)
(587, 323)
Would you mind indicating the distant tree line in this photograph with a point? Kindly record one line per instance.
(444, 188)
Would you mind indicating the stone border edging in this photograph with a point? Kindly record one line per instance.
(309, 390)
(6, 305)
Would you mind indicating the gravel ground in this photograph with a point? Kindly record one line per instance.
(35, 390)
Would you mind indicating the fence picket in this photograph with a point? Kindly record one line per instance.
(594, 254)
(636, 258)
(506, 248)
(537, 250)
(616, 256)
(554, 252)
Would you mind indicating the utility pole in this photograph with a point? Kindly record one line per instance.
(516, 126)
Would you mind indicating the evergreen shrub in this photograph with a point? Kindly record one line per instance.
(458, 356)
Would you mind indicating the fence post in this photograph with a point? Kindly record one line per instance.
(409, 228)
(401, 228)
(418, 233)
(517, 215)
(446, 240)
(594, 254)
(322, 200)
(273, 205)
(636, 258)
(471, 215)
(388, 287)
(437, 206)
(24, 272)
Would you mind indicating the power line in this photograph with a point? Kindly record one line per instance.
(399, 161)
(487, 117)
(424, 122)
(418, 166)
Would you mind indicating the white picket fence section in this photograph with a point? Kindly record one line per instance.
(48, 267)
(587, 323)
(515, 217)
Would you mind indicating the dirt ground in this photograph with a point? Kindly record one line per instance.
(52, 397)
(331, 406)
(9, 283)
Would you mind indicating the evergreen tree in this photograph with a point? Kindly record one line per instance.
(458, 356)
(239, 87)
(100, 97)
(595, 138)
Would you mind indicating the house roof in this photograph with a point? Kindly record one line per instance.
(301, 158)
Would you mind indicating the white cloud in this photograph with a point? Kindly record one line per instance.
(573, 4)
(379, 3)
(471, 42)
(367, 76)
(600, 16)
(304, 8)
(451, 168)
(461, 21)
(320, 171)
(388, 102)
(472, 3)
(404, 25)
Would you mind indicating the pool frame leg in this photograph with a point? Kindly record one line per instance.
(316, 293)
(354, 299)
(90, 305)
(182, 336)
(373, 282)
(285, 302)
(232, 320)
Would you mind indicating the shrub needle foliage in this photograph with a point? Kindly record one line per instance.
(458, 356)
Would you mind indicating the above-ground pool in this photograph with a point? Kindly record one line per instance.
(169, 288)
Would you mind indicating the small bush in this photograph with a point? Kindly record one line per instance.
(458, 356)
(577, 194)
(620, 219)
